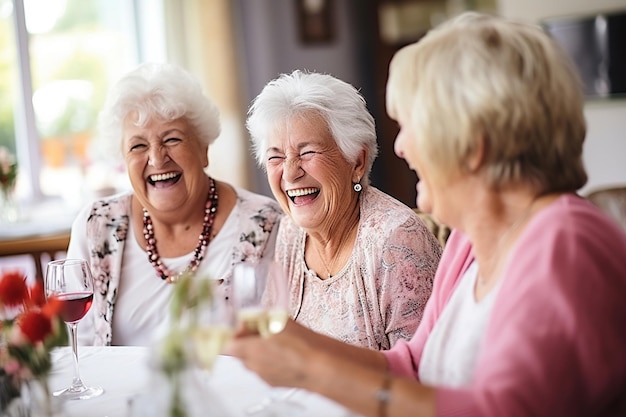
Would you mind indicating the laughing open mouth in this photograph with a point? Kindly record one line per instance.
(303, 193)
(164, 179)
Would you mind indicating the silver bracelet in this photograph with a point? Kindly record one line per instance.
(383, 395)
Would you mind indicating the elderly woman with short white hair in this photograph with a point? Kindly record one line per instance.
(360, 263)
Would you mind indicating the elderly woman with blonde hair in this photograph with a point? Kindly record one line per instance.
(527, 312)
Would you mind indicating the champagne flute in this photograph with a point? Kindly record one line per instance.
(70, 281)
(261, 294)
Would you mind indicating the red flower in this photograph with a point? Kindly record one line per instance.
(13, 290)
(35, 326)
(37, 296)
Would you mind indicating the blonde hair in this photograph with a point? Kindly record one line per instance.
(481, 77)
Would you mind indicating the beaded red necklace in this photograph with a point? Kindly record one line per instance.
(210, 208)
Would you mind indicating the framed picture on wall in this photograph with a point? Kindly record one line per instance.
(595, 43)
(315, 21)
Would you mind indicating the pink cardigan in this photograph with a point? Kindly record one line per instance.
(556, 341)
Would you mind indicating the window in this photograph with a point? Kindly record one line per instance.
(8, 75)
(57, 61)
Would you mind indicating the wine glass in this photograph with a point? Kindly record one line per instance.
(70, 281)
(261, 294)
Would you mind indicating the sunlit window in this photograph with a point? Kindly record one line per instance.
(75, 49)
(8, 76)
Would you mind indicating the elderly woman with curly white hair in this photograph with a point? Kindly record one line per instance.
(177, 219)
(360, 263)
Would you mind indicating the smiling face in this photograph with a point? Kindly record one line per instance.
(308, 174)
(165, 163)
(443, 189)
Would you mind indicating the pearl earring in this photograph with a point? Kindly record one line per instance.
(357, 187)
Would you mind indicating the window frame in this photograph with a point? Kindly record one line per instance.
(28, 155)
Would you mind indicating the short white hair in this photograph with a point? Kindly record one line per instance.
(337, 102)
(163, 91)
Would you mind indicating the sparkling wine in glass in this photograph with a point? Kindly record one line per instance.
(70, 281)
(260, 293)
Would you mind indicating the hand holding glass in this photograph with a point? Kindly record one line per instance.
(70, 281)
(261, 293)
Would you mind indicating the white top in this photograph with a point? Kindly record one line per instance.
(100, 234)
(451, 350)
(134, 323)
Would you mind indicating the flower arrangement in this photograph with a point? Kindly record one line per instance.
(200, 323)
(8, 176)
(30, 328)
(184, 353)
(175, 355)
(8, 171)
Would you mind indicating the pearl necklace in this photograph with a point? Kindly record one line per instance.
(210, 208)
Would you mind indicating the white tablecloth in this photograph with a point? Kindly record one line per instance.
(124, 374)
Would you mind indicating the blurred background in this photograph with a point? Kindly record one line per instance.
(58, 58)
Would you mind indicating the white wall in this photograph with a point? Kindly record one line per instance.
(605, 146)
(538, 9)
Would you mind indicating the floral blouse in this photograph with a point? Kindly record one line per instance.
(101, 238)
(380, 294)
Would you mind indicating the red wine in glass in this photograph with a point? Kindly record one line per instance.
(75, 305)
(70, 281)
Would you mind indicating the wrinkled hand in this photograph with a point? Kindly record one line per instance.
(279, 359)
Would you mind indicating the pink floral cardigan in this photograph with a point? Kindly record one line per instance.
(107, 227)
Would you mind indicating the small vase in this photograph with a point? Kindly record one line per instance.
(10, 401)
(8, 206)
(182, 394)
(38, 399)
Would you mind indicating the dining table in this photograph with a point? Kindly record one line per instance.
(133, 389)
(40, 233)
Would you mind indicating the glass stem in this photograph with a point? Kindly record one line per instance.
(77, 383)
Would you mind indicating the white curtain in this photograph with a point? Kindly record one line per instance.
(200, 37)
